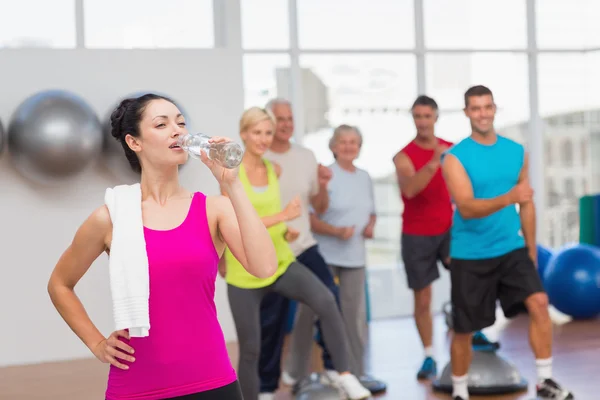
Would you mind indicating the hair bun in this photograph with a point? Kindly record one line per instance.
(116, 118)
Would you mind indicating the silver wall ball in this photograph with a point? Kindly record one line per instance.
(54, 136)
(2, 137)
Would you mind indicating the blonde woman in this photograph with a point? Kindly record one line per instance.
(341, 232)
(293, 280)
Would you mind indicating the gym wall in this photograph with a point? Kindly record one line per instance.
(37, 224)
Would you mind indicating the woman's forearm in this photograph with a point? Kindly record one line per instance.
(261, 258)
(319, 226)
(274, 219)
(72, 311)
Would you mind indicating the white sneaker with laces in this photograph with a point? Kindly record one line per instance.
(353, 388)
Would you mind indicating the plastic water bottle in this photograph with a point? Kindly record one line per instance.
(228, 155)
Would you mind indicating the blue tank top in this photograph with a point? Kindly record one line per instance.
(494, 170)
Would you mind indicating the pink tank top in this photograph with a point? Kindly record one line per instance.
(185, 352)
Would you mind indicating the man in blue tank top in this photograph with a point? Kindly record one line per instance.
(493, 245)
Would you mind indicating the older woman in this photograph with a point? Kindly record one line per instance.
(341, 232)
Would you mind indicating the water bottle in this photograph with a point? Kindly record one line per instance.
(228, 154)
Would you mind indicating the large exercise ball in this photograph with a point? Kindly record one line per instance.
(316, 387)
(53, 136)
(114, 154)
(2, 137)
(544, 254)
(572, 281)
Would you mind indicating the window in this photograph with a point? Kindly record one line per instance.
(548, 161)
(38, 23)
(265, 24)
(374, 92)
(567, 24)
(449, 75)
(356, 24)
(567, 83)
(569, 188)
(567, 153)
(149, 24)
(452, 126)
(266, 76)
(475, 24)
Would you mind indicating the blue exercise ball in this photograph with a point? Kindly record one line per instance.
(544, 254)
(572, 281)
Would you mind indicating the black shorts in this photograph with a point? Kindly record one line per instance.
(420, 255)
(478, 284)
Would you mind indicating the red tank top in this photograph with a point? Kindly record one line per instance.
(429, 213)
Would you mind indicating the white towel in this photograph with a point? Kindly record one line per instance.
(128, 261)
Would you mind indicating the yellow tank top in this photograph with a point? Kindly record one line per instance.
(267, 202)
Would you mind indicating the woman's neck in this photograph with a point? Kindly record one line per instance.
(160, 186)
(346, 165)
(252, 161)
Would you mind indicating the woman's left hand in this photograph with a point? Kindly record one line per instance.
(291, 234)
(224, 175)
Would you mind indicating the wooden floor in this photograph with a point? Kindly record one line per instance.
(394, 356)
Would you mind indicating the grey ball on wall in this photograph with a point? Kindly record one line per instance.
(2, 137)
(53, 136)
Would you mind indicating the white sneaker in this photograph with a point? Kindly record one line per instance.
(287, 379)
(266, 396)
(333, 376)
(353, 388)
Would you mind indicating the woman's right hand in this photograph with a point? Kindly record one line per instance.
(345, 232)
(112, 349)
(293, 209)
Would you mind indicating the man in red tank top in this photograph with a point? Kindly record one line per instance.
(426, 221)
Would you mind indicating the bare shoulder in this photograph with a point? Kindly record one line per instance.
(450, 162)
(96, 228)
(217, 207)
(217, 202)
(99, 220)
(403, 164)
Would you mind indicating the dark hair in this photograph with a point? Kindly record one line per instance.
(125, 119)
(425, 101)
(476, 91)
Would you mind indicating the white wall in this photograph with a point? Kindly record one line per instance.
(37, 224)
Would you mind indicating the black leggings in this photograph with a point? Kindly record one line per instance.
(229, 392)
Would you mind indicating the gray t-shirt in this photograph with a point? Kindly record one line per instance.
(299, 176)
(351, 203)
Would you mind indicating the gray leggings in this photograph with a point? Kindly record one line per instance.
(354, 312)
(297, 283)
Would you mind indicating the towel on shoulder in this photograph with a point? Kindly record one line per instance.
(128, 260)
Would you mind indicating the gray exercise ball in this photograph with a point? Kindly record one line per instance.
(2, 137)
(317, 387)
(489, 374)
(114, 154)
(53, 136)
